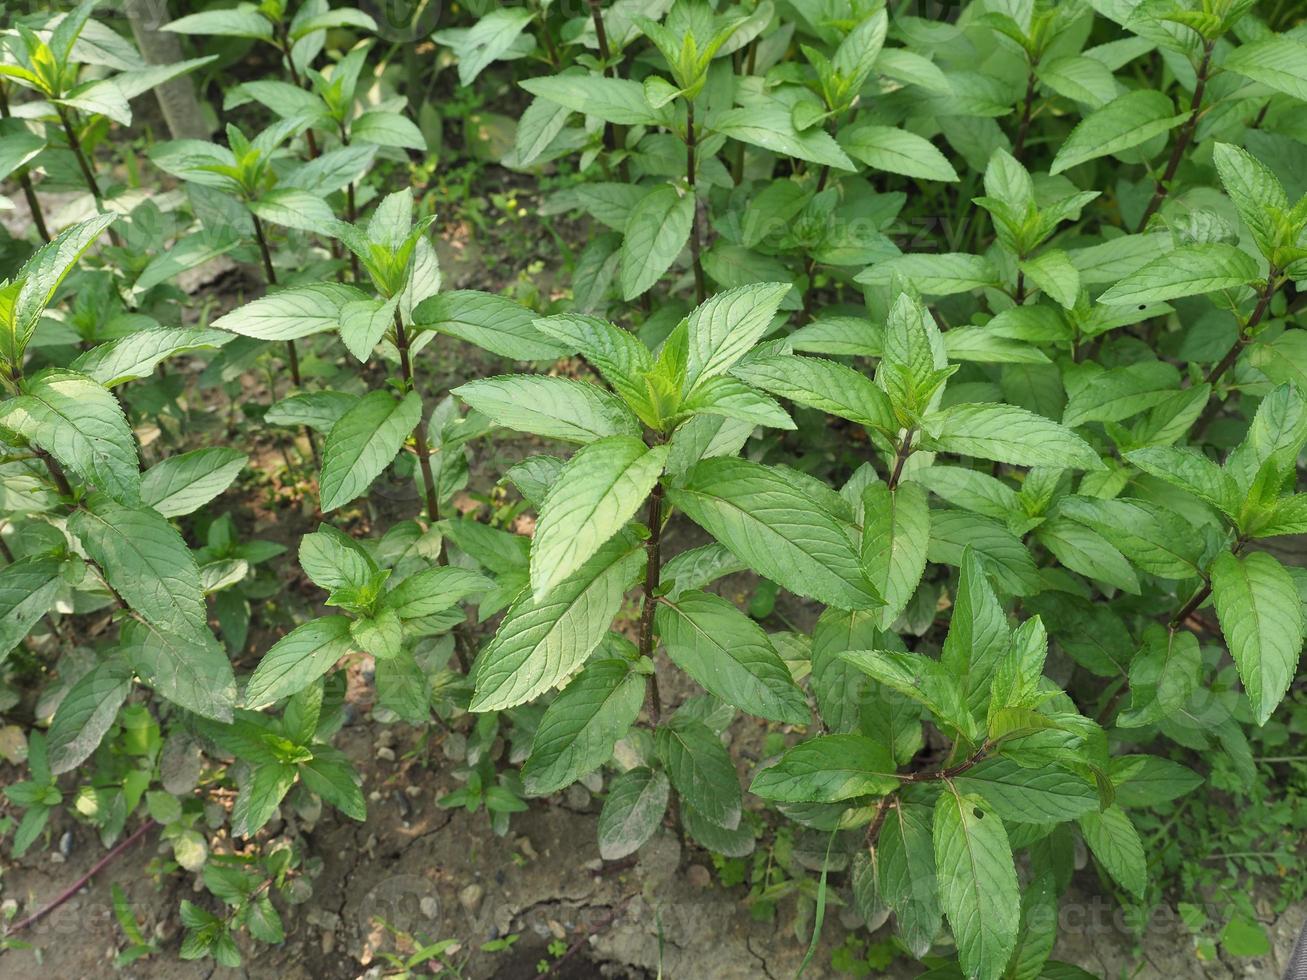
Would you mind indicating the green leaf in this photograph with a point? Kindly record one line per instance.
(920, 678)
(189, 669)
(492, 322)
(729, 655)
(1189, 270)
(1147, 780)
(770, 125)
(433, 590)
(138, 354)
(291, 313)
(828, 769)
(897, 151)
(700, 769)
(1279, 62)
(1190, 470)
(1115, 843)
(541, 643)
(1053, 272)
(1125, 122)
(556, 408)
(297, 660)
(1044, 795)
(39, 279)
(614, 100)
(1156, 540)
(774, 525)
(895, 535)
(941, 274)
(86, 713)
(1008, 434)
(825, 385)
(1255, 190)
(977, 881)
(636, 802)
(145, 560)
(906, 874)
(235, 22)
(1038, 930)
(81, 425)
(184, 483)
(363, 442)
(656, 230)
(1261, 616)
(978, 633)
(1163, 676)
(330, 775)
(28, 588)
(599, 489)
(581, 726)
(260, 794)
(1084, 550)
(723, 329)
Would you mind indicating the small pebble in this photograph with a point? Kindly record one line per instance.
(386, 753)
(556, 929)
(698, 877)
(429, 906)
(57, 858)
(470, 897)
(328, 942)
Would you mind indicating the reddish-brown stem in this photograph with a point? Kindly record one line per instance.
(939, 774)
(1027, 110)
(56, 473)
(1183, 140)
(652, 576)
(691, 144)
(80, 883)
(420, 432)
(901, 459)
(1232, 355)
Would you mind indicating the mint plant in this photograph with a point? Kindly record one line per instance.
(920, 398)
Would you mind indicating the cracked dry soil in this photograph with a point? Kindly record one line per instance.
(441, 874)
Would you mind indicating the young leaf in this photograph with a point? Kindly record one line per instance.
(724, 328)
